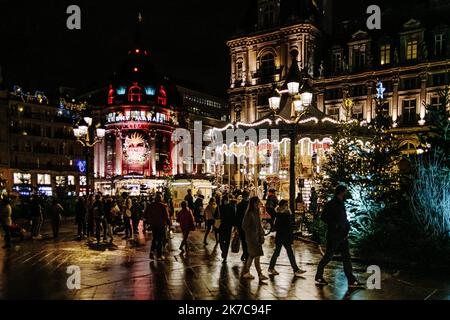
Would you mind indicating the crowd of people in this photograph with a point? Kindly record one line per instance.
(231, 216)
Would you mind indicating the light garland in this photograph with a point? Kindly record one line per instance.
(38, 96)
(255, 124)
(328, 119)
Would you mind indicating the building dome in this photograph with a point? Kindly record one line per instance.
(138, 81)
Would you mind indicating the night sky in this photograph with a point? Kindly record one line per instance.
(186, 38)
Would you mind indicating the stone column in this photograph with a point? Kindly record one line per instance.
(369, 109)
(395, 112)
(423, 97)
(119, 154)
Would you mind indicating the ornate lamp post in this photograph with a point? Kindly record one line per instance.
(299, 92)
(88, 135)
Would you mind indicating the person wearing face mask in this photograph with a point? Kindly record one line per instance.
(226, 213)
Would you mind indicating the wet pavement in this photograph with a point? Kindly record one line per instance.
(37, 269)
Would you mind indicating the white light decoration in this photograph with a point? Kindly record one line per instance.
(274, 103)
(253, 124)
(88, 120)
(380, 90)
(100, 132)
(327, 119)
(293, 87)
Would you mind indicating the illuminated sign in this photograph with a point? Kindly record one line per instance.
(136, 115)
(121, 90)
(81, 164)
(150, 91)
(135, 149)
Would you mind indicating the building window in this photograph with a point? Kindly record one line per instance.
(333, 112)
(267, 63)
(60, 181)
(22, 178)
(268, 16)
(409, 111)
(357, 112)
(239, 71)
(385, 54)
(359, 58)
(410, 83)
(439, 79)
(44, 179)
(135, 93)
(336, 62)
(438, 44)
(70, 180)
(83, 180)
(411, 50)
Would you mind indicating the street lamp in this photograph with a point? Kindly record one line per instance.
(88, 137)
(301, 96)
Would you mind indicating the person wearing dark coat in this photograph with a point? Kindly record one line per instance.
(284, 238)
(190, 200)
(241, 209)
(80, 217)
(98, 214)
(335, 216)
(254, 236)
(227, 216)
(157, 215)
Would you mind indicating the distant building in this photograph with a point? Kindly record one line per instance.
(39, 153)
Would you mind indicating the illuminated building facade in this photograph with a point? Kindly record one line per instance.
(143, 109)
(409, 56)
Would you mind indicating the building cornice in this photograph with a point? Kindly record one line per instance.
(391, 72)
(273, 35)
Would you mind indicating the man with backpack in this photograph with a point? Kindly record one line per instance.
(335, 216)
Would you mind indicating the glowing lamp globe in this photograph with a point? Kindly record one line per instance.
(83, 130)
(293, 87)
(298, 104)
(100, 132)
(88, 121)
(274, 103)
(76, 132)
(307, 98)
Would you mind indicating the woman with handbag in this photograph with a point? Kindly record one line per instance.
(254, 237)
(187, 224)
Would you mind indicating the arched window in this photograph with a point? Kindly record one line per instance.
(162, 97)
(267, 63)
(135, 93)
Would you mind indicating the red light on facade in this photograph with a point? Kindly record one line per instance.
(137, 50)
(135, 69)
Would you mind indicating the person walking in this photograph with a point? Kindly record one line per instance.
(241, 209)
(187, 224)
(254, 236)
(90, 217)
(209, 220)
(190, 200)
(80, 217)
(335, 216)
(313, 202)
(198, 209)
(97, 212)
(56, 213)
(157, 215)
(136, 214)
(36, 217)
(271, 203)
(126, 211)
(226, 214)
(284, 238)
(6, 220)
(107, 220)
